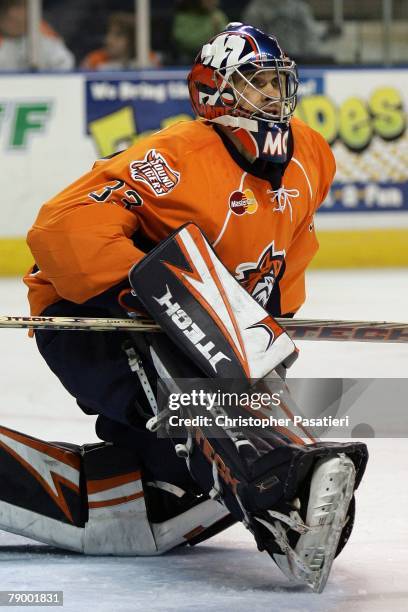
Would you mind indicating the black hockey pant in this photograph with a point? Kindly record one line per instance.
(94, 368)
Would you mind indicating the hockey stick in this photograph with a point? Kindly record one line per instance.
(300, 329)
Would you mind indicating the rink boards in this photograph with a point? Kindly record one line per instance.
(53, 127)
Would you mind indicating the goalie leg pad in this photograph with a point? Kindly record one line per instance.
(250, 470)
(259, 478)
(92, 499)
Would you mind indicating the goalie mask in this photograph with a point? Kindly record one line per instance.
(243, 80)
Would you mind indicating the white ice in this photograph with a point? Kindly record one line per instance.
(227, 572)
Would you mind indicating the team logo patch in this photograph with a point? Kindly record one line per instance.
(154, 171)
(259, 278)
(241, 202)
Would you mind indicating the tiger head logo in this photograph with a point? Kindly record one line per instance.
(259, 278)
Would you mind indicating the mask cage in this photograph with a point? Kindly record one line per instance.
(231, 97)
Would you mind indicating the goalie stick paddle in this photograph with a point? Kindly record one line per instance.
(298, 329)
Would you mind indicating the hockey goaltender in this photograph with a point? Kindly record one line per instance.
(208, 227)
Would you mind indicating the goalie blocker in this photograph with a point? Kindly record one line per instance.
(296, 498)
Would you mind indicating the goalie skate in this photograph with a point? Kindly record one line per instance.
(331, 491)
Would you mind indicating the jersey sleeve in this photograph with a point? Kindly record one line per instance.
(81, 239)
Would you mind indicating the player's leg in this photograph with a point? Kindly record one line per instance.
(294, 497)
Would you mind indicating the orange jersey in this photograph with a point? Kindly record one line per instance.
(83, 239)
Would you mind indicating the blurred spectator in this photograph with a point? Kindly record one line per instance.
(118, 52)
(289, 20)
(53, 54)
(195, 22)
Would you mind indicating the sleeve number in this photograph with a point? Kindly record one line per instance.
(130, 200)
(106, 191)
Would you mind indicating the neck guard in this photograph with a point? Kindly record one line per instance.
(262, 140)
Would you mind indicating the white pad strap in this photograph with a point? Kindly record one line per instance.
(136, 365)
(281, 539)
(166, 486)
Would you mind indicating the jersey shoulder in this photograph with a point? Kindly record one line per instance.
(186, 144)
(311, 146)
(314, 154)
(179, 140)
(306, 134)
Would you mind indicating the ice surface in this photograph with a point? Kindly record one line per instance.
(227, 572)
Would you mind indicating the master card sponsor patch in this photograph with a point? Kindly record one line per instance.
(241, 202)
(154, 171)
